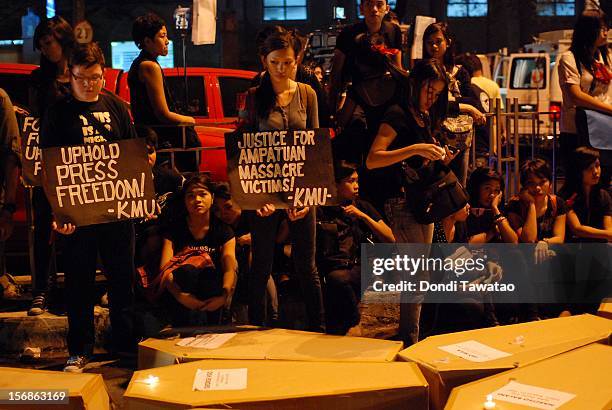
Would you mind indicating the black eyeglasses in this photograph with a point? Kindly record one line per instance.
(94, 79)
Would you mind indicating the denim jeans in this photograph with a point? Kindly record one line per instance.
(303, 243)
(407, 230)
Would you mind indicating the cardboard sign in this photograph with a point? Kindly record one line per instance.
(99, 183)
(420, 24)
(288, 168)
(30, 152)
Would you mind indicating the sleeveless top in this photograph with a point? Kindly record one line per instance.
(142, 109)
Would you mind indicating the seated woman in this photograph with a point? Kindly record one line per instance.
(486, 223)
(340, 232)
(589, 220)
(469, 310)
(538, 216)
(590, 207)
(198, 263)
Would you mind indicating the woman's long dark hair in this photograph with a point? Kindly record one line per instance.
(62, 31)
(424, 71)
(449, 55)
(586, 31)
(265, 98)
(478, 178)
(582, 159)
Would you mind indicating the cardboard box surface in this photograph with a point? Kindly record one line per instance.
(273, 344)
(584, 372)
(527, 343)
(285, 385)
(605, 309)
(85, 391)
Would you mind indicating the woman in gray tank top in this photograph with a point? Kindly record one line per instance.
(281, 103)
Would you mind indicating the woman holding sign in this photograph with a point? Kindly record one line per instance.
(49, 84)
(279, 104)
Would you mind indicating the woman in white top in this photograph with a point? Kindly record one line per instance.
(585, 74)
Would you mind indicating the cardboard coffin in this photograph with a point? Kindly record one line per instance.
(605, 308)
(524, 344)
(583, 372)
(273, 344)
(272, 384)
(85, 391)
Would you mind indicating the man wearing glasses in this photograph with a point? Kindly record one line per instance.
(89, 117)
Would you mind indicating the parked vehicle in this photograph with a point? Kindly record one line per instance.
(211, 100)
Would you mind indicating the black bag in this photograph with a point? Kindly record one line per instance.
(439, 199)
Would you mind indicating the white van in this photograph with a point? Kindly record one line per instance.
(533, 79)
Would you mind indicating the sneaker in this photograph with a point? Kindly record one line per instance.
(75, 364)
(39, 306)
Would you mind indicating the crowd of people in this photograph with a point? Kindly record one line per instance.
(399, 138)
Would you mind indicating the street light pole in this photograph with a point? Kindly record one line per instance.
(78, 11)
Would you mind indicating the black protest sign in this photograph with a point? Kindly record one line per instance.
(98, 183)
(289, 168)
(30, 152)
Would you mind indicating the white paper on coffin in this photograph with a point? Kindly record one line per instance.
(532, 396)
(220, 379)
(474, 351)
(207, 341)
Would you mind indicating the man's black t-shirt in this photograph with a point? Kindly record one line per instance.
(64, 124)
(545, 222)
(339, 236)
(218, 234)
(408, 133)
(354, 42)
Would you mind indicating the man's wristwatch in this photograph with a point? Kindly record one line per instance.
(10, 208)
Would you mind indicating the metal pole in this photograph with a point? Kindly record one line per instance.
(30, 221)
(497, 146)
(533, 132)
(516, 145)
(554, 154)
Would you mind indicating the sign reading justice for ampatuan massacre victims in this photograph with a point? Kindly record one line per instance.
(287, 168)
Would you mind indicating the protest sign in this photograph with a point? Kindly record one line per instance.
(98, 183)
(30, 151)
(287, 168)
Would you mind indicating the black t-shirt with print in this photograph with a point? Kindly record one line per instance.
(361, 62)
(545, 222)
(218, 234)
(339, 236)
(593, 215)
(408, 133)
(64, 124)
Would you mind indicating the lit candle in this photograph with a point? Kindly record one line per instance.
(151, 380)
(489, 404)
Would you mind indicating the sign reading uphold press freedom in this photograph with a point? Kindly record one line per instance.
(98, 183)
(288, 168)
